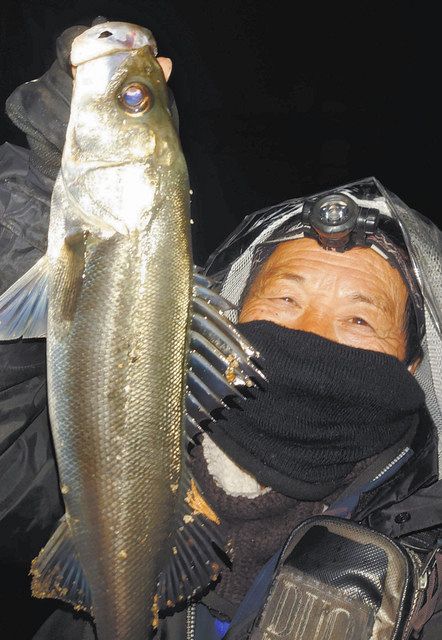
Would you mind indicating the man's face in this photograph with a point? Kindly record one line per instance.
(354, 298)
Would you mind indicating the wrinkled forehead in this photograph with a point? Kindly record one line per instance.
(304, 260)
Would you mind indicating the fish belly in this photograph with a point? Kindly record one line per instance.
(117, 344)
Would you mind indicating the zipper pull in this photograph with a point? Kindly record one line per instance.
(427, 568)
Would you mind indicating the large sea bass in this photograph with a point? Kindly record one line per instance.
(139, 352)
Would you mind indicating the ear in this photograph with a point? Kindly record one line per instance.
(412, 368)
(166, 65)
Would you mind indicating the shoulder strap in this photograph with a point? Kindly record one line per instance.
(430, 594)
(253, 601)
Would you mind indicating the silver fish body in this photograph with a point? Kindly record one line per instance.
(140, 353)
(119, 302)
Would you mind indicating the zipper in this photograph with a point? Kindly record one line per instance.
(346, 504)
(391, 464)
(190, 622)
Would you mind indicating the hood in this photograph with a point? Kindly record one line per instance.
(232, 263)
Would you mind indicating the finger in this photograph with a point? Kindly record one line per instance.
(166, 65)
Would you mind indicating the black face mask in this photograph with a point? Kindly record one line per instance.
(326, 406)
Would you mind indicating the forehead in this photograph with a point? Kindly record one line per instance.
(304, 257)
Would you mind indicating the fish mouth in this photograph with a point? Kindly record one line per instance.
(108, 164)
(106, 54)
(120, 47)
(109, 38)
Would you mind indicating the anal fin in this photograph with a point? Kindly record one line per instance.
(56, 572)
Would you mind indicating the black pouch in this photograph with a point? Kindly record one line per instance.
(338, 580)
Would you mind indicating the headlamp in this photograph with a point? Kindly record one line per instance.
(338, 222)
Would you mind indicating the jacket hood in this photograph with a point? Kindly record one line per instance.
(233, 263)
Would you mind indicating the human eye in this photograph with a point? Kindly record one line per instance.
(361, 322)
(288, 300)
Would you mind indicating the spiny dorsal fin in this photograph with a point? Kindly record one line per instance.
(221, 362)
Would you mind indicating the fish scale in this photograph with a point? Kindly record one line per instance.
(123, 398)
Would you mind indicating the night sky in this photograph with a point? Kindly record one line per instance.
(272, 106)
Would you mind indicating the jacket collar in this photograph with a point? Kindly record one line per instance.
(396, 507)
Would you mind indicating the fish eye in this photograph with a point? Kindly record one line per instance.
(135, 98)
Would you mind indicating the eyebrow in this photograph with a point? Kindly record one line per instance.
(356, 296)
(288, 276)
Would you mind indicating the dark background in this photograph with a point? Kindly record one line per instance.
(276, 100)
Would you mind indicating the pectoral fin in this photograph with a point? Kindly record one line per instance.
(56, 572)
(24, 306)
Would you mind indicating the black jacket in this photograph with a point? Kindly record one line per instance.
(30, 502)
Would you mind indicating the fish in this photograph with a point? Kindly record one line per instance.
(140, 352)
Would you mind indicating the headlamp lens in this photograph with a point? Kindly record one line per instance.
(334, 212)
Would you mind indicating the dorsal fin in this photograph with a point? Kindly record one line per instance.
(221, 364)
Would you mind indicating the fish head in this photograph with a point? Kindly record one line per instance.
(122, 148)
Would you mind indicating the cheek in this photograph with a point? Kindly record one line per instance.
(255, 309)
(391, 344)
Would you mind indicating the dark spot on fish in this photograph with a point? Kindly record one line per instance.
(105, 34)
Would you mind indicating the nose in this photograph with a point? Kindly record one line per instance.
(316, 322)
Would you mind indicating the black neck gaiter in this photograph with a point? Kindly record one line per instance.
(325, 407)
